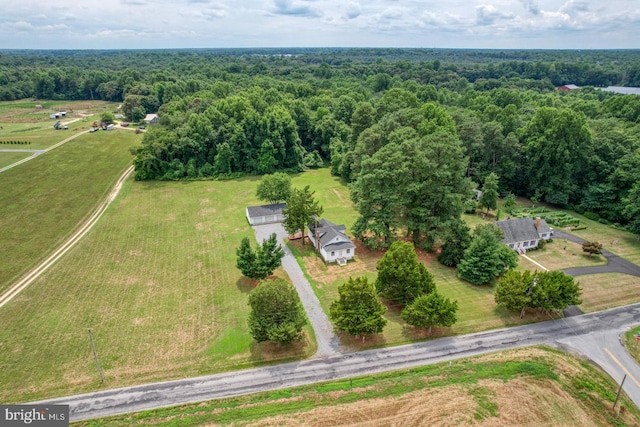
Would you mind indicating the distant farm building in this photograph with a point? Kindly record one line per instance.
(568, 88)
(331, 241)
(265, 214)
(524, 233)
(151, 119)
(622, 90)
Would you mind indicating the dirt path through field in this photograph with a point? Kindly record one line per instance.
(68, 244)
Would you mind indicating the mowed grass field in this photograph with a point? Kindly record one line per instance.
(7, 159)
(156, 282)
(44, 199)
(21, 121)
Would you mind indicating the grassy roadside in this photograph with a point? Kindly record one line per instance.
(533, 386)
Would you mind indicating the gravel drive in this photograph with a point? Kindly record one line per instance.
(328, 341)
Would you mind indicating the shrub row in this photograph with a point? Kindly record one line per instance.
(16, 142)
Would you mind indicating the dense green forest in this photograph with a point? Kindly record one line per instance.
(412, 130)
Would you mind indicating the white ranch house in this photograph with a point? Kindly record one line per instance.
(331, 241)
(524, 233)
(265, 214)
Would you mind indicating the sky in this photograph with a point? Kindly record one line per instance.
(152, 24)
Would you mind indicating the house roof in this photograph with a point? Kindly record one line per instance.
(522, 229)
(263, 210)
(149, 117)
(570, 87)
(332, 236)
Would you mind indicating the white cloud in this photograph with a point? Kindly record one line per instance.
(187, 23)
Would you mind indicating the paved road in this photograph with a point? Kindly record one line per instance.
(588, 334)
(615, 264)
(328, 341)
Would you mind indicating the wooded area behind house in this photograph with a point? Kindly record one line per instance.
(432, 122)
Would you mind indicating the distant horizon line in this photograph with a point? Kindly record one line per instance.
(2, 49)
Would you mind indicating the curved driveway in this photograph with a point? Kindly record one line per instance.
(615, 264)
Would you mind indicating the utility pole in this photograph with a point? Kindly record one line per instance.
(619, 390)
(95, 356)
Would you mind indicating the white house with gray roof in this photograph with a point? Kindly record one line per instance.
(521, 234)
(265, 214)
(331, 241)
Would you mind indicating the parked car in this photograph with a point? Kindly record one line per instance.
(124, 124)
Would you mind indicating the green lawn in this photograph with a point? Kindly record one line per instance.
(477, 308)
(157, 283)
(561, 254)
(608, 290)
(7, 159)
(44, 199)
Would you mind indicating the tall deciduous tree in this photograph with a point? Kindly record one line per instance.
(377, 198)
(401, 276)
(431, 310)
(300, 210)
(486, 257)
(456, 241)
(276, 313)
(274, 188)
(489, 198)
(557, 145)
(548, 290)
(509, 202)
(358, 310)
(632, 208)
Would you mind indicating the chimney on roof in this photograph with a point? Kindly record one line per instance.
(537, 222)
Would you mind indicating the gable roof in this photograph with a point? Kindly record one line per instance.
(332, 236)
(522, 229)
(264, 210)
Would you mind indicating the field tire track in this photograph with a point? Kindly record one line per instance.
(68, 244)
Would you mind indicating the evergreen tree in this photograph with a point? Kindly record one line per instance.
(486, 257)
(489, 198)
(263, 261)
(268, 256)
(246, 259)
(358, 310)
(401, 276)
(276, 313)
